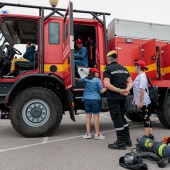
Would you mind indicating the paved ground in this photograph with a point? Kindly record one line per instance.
(66, 149)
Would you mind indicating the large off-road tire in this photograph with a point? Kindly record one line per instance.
(36, 112)
(134, 116)
(164, 114)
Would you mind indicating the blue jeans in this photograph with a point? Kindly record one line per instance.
(92, 106)
(80, 63)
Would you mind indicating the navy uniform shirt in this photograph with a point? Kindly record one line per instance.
(118, 77)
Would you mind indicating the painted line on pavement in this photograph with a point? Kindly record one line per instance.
(105, 116)
(45, 140)
(75, 115)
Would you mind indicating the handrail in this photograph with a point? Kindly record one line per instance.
(50, 8)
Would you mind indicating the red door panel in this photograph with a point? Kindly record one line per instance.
(166, 62)
(68, 58)
(149, 56)
(127, 54)
(68, 48)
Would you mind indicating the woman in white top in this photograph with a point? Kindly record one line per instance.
(141, 97)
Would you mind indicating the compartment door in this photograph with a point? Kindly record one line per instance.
(68, 48)
(127, 54)
(150, 58)
(166, 62)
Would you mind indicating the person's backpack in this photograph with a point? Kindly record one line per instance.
(153, 92)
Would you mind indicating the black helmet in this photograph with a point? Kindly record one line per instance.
(132, 161)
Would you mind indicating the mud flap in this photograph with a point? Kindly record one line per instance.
(70, 101)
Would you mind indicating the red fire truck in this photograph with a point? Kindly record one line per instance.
(41, 91)
(149, 42)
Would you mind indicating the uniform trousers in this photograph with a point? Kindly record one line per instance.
(117, 111)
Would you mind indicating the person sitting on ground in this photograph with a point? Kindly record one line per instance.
(27, 57)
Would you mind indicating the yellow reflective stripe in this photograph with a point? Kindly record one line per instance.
(102, 68)
(47, 67)
(60, 67)
(161, 149)
(63, 67)
(165, 70)
(151, 67)
(131, 69)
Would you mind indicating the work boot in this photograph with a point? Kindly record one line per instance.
(151, 137)
(128, 143)
(127, 139)
(144, 136)
(119, 144)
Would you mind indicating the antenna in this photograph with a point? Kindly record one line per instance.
(13, 11)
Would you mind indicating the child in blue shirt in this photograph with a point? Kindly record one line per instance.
(91, 99)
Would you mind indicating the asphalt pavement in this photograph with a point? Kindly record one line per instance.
(66, 149)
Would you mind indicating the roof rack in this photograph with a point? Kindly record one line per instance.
(55, 10)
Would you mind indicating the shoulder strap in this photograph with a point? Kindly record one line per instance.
(149, 81)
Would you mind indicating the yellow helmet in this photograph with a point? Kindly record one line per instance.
(111, 53)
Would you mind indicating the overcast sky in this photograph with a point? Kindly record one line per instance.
(155, 11)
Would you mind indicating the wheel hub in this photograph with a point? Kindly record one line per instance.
(36, 112)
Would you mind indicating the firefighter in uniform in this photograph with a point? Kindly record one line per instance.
(118, 82)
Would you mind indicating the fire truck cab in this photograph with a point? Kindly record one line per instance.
(39, 92)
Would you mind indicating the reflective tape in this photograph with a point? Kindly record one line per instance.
(126, 125)
(161, 149)
(121, 128)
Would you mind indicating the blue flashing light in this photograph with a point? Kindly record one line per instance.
(4, 12)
